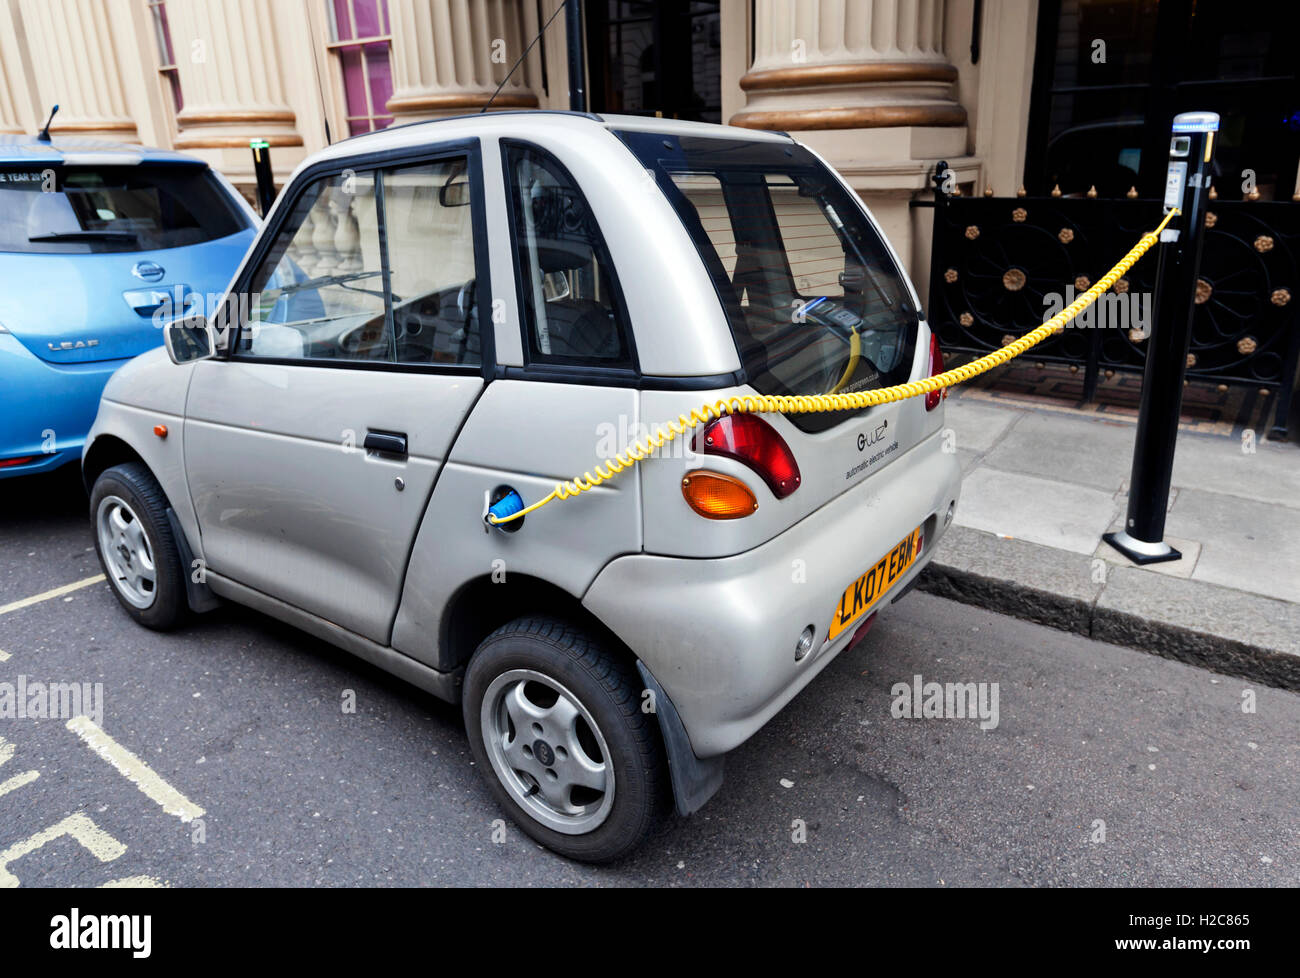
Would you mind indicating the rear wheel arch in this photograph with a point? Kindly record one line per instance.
(483, 605)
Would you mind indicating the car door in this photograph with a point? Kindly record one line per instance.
(312, 449)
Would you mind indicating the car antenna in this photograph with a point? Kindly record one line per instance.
(319, 87)
(520, 60)
(44, 135)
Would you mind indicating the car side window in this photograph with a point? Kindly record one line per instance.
(429, 231)
(319, 293)
(568, 289)
(371, 266)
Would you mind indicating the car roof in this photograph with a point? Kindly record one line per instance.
(523, 122)
(22, 148)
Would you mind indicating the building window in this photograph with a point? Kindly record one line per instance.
(166, 58)
(1110, 75)
(660, 58)
(360, 41)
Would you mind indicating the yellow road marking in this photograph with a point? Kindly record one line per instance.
(17, 781)
(95, 840)
(45, 596)
(136, 771)
(134, 882)
(4, 656)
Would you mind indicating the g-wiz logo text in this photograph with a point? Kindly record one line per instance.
(102, 932)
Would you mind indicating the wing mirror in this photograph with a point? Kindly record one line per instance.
(190, 338)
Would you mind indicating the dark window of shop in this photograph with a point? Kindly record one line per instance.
(660, 58)
(1110, 75)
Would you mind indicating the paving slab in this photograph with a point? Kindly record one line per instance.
(1266, 471)
(977, 426)
(1066, 448)
(1056, 514)
(1245, 544)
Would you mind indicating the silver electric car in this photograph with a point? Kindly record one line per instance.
(442, 321)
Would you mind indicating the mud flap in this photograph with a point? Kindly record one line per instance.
(199, 596)
(695, 780)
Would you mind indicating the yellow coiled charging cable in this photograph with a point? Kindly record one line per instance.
(808, 403)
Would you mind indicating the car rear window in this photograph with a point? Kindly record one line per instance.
(800, 270)
(71, 210)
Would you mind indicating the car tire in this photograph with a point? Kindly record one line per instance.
(597, 736)
(128, 511)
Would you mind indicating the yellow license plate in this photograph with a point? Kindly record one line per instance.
(859, 596)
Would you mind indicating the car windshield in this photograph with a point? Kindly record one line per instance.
(71, 210)
(815, 301)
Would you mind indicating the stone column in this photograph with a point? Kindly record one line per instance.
(228, 58)
(449, 56)
(76, 62)
(868, 84)
(849, 64)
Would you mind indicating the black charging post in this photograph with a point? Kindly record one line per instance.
(1187, 187)
(262, 170)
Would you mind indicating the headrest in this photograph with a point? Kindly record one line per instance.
(563, 254)
(51, 214)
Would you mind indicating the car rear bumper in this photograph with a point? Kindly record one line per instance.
(719, 635)
(45, 409)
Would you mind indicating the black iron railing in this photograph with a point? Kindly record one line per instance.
(1001, 265)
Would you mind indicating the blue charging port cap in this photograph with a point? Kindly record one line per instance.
(506, 502)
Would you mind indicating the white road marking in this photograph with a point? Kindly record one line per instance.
(135, 770)
(95, 840)
(4, 656)
(134, 882)
(46, 595)
(17, 781)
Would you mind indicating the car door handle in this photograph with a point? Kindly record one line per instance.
(386, 442)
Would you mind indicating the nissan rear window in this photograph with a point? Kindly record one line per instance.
(71, 210)
(814, 299)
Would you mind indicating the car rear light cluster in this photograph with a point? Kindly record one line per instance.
(749, 439)
(6, 463)
(936, 367)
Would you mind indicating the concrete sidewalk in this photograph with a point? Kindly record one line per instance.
(1043, 482)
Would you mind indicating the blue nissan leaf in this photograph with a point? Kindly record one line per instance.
(100, 243)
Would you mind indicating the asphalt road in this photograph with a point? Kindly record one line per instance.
(243, 716)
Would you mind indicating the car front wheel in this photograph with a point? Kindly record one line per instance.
(555, 723)
(136, 546)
